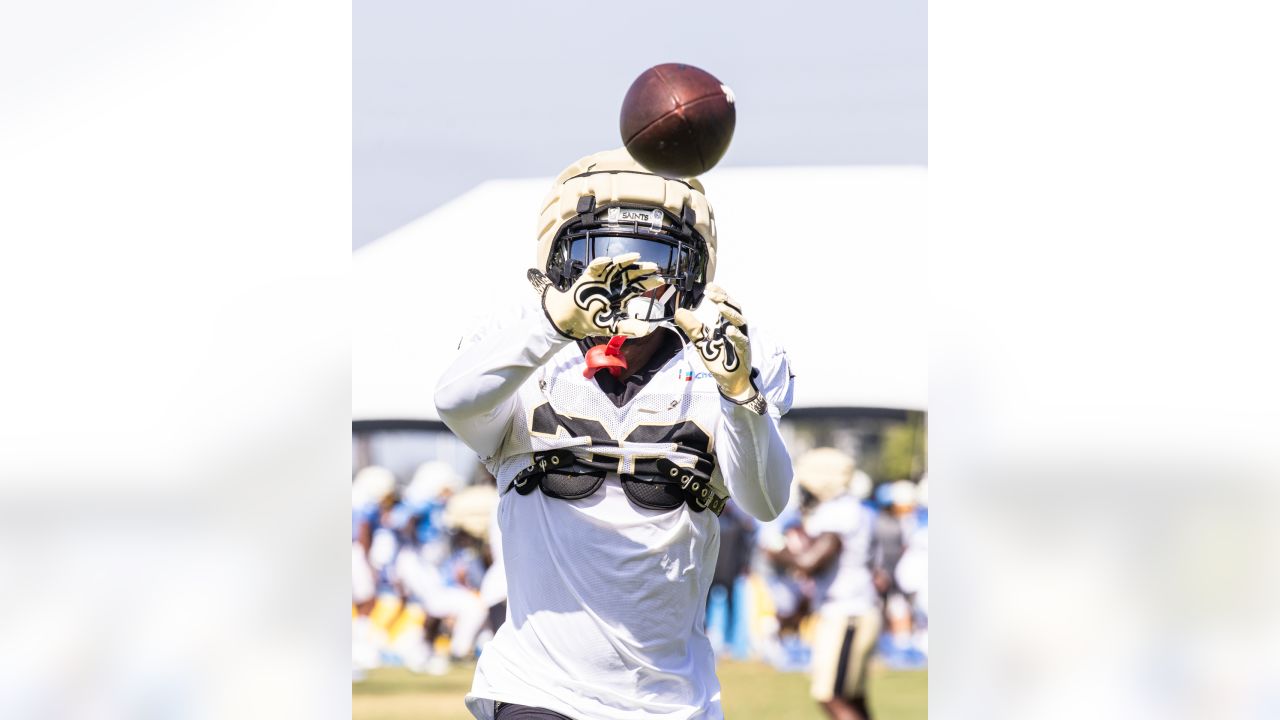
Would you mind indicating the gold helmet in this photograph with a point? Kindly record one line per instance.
(824, 473)
(471, 510)
(607, 204)
(372, 485)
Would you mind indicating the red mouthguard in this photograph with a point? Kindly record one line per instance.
(606, 357)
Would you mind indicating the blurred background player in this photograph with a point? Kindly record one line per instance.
(425, 570)
(838, 559)
(737, 540)
(894, 529)
(789, 591)
(468, 516)
(371, 493)
(912, 573)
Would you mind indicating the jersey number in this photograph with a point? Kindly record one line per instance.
(685, 433)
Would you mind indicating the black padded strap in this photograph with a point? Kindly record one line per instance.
(695, 483)
(529, 478)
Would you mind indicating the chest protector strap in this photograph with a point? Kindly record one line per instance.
(527, 479)
(657, 483)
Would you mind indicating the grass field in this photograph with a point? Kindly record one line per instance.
(750, 691)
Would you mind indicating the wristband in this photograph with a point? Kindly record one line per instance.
(756, 403)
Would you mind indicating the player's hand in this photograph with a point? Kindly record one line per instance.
(592, 305)
(725, 349)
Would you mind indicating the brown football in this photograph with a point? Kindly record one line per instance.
(677, 120)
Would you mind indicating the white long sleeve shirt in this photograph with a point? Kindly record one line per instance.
(605, 597)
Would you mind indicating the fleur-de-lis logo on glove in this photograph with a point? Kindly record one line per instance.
(593, 303)
(725, 350)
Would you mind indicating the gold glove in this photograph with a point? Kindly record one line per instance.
(593, 304)
(725, 350)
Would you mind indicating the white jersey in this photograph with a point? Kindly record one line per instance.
(846, 587)
(606, 599)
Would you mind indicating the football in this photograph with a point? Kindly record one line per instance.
(677, 120)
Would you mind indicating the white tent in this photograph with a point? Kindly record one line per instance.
(830, 260)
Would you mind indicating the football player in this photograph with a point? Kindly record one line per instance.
(897, 525)
(371, 492)
(839, 560)
(420, 569)
(617, 426)
(912, 572)
(781, 645)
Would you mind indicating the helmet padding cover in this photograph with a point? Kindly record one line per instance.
(614, 177)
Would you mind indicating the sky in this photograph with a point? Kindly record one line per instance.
(446, 96)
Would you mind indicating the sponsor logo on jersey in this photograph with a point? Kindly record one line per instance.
(690, 376)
